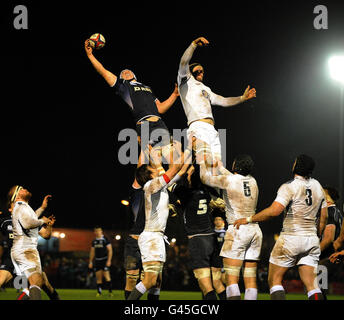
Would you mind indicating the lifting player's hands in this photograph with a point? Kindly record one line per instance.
(239, 222)
(46, 220)
(45, 201)
(88, 48)
(52, 220)
(155, 156)
(337, 256)
(201, 41)
(249, 94)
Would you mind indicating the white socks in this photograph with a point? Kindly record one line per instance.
(316, 290)
(232, 290)
(141, 287)
(276, 288)
(251, 294)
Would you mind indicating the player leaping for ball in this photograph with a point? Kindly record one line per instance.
(197, 100)
(145, 107)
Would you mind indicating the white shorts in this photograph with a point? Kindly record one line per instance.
(208, 134)
(244, 243)
(290, 250)
(152, 246)
(26, 261)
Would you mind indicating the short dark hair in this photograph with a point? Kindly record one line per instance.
(304, 165)
(243, 164)
(332, 192)
(143, 174)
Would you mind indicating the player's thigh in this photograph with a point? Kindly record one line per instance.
(201, 249)
(36, 279)
(5, 276)
(152, 247)
(276, 274)
(254, 243)
(308, 275)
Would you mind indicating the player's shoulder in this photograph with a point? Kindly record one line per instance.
(316, 182)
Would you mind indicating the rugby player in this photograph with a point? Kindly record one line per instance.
(217, 263)
(101, 254)
(24, 253)
(45, 232)
(333, 226)
(132, 254)
(151, 240)
(331, 232)
(197, 100)
(145, 107)
(195, 198)
(298, 243)
(241, 247)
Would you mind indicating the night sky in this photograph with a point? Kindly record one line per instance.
(60, 120)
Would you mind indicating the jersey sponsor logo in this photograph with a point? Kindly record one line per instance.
(142, 89)
(205, 94)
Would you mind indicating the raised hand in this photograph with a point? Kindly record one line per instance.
(201, 41)
(249, 94)
(45, 201)
(88, 48)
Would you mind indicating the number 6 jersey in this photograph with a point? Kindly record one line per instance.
(303, 199)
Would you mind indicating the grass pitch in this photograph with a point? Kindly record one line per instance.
(87, 294)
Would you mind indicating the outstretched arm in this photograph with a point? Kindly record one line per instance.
(232, 101)
(207, 178)
(44, 205)
(184, 61)
(167, 104)
(109, 77)
(273, 211)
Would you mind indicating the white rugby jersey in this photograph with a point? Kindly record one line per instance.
(303, 199)
(240, 193)
(156, 203)
(195, 96)
(25, 225)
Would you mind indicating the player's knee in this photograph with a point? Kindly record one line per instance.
(131, 277)
(250, 272)
(232, 270)
(202, 273)
(152, 272)
(216, 275)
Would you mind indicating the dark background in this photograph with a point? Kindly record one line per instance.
(60, 120)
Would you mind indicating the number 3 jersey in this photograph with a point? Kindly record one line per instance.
(303, 199)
